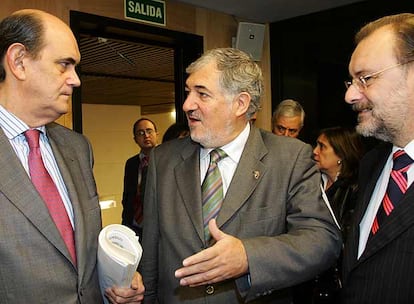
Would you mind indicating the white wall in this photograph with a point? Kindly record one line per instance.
(109, 128)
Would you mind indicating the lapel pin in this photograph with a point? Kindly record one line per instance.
(256, 174)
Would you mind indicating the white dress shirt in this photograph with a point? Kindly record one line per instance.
(227, 165)
(378, 194)
(14, 129)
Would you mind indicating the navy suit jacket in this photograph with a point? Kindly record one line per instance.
(385, 271)
(130, 190)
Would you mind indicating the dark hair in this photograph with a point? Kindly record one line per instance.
(25, 28)
(174, 131)
(403, 27)
(347, 144)
(139, 120)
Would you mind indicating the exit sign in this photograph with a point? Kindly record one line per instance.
(149, 11)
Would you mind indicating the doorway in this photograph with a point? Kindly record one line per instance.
(128, 70)
(122, 61)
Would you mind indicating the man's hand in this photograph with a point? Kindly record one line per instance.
(224, 260)
(133, 294)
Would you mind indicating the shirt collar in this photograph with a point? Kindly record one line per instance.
(233, 149)
(409, 149)
(14, 126)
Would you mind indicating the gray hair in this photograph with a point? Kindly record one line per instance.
(239, 73)
(288, 108)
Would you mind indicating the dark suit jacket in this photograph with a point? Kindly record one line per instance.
(130, 190)
(385, 271)
(273, 205)
(35, 265)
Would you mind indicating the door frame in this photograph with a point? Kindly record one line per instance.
(187, 48)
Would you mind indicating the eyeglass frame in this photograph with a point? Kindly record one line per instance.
(142, 133)
(361, 82)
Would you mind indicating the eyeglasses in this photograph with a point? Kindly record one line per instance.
(362, 82)
(282, 129)
(141, 133)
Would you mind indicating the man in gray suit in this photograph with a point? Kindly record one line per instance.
(37, 76)
(273, 229)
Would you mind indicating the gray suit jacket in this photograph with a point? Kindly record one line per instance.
(35, 264)
(278, 214)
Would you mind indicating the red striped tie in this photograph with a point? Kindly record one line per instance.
(48, 191)
(397, 186)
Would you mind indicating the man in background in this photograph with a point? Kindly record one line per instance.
(145, 136)
(232, 213)
(50, 216)
(378, 265)
(288, 118)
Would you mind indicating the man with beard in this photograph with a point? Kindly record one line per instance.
(232, 213)
(378, 258)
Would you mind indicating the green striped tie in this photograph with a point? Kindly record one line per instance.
(212, 190)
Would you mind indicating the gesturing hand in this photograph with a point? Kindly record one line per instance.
(224, 260)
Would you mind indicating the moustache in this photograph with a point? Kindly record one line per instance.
(359, 107)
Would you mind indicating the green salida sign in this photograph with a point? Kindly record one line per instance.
(149, 11)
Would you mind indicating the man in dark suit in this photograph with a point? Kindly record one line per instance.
(45, 258)
(145, 136)
(378, 264)
(273, 229)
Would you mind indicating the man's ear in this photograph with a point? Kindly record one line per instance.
(15, 55)
(242, 101)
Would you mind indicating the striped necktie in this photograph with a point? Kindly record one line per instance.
(397, 186)
(212, 190)
(49, 192)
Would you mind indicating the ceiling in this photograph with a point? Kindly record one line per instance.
(263, 11)
(129, 73)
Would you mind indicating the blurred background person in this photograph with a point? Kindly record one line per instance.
(176, 130)
(288, 118)
(145, 136)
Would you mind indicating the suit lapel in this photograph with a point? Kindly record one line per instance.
(64, 158)
(397, 222)
(248, 174)
(190, 188)
(369, 177)
(401, 218)
(369, 171)
(19, 190)
(244, 181)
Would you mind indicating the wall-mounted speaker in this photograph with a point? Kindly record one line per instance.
(250, 38)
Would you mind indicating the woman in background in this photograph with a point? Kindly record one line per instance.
(337, 154)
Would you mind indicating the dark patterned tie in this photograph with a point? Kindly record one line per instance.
(212, 190)
(49, 192)
(142, 170)
(397, 186)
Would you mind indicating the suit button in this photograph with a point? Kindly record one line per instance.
(209, 289)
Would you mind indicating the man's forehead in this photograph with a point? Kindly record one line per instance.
(373, 49)
(289, 121)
